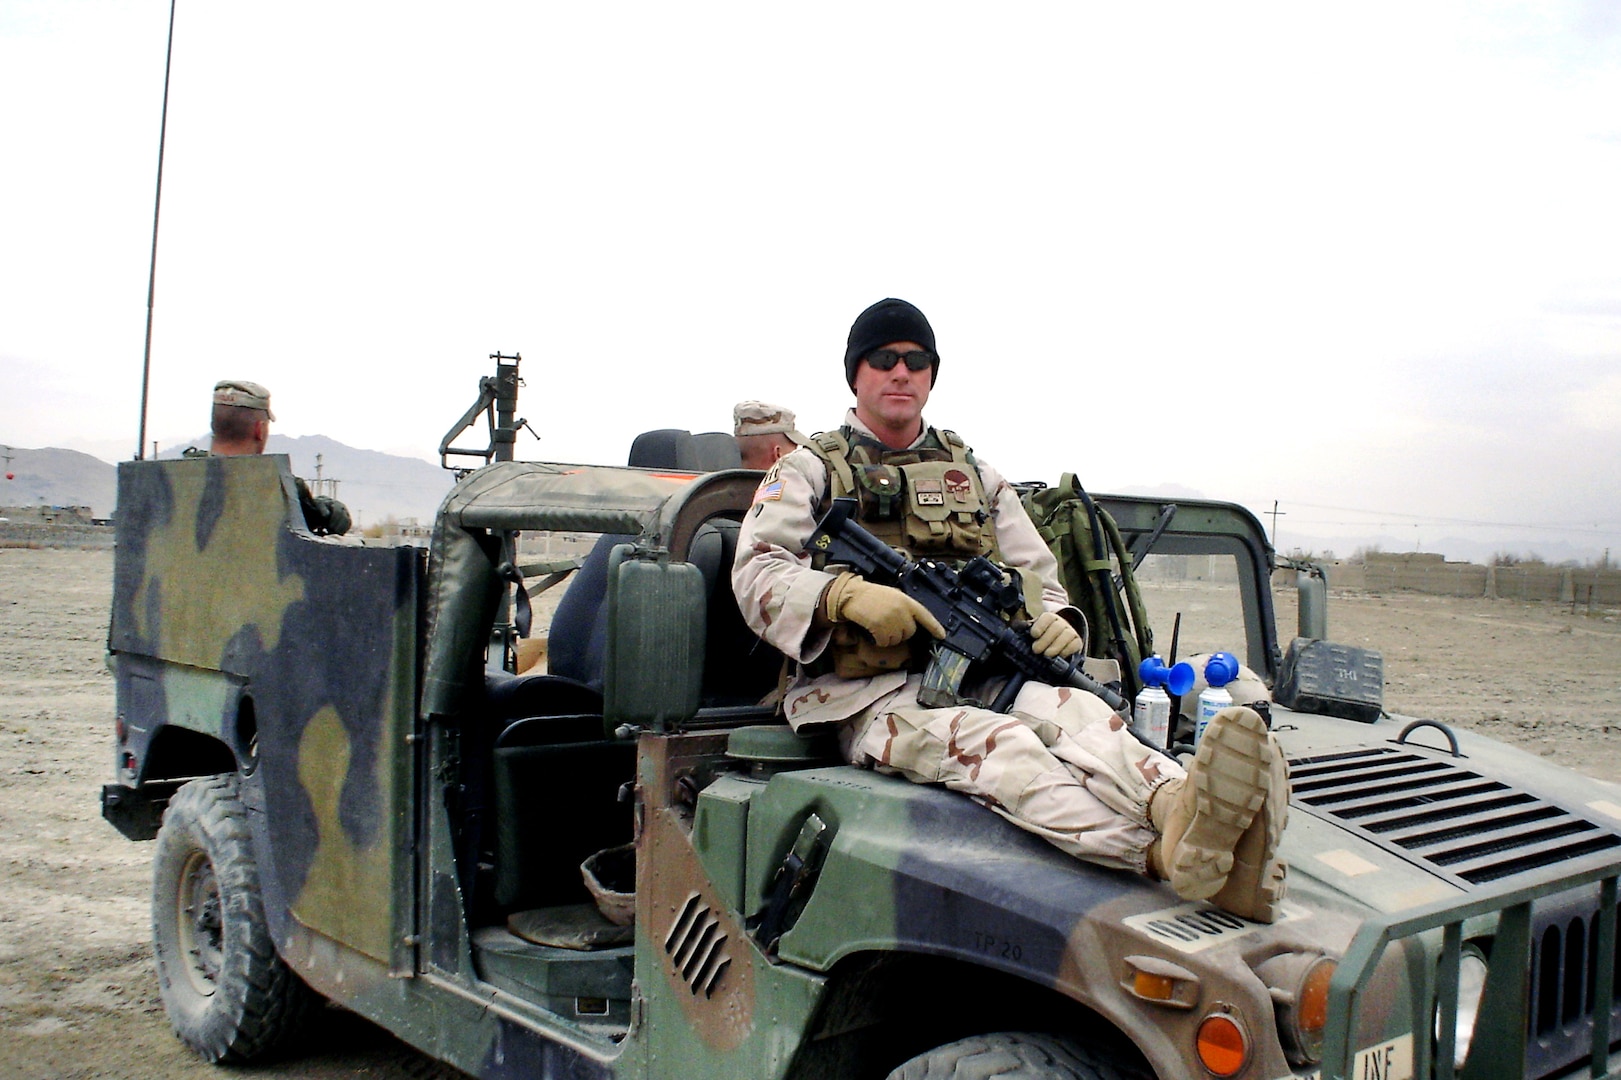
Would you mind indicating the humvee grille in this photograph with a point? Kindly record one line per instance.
(1466, 827)
(1564, 982)
(1471, 829)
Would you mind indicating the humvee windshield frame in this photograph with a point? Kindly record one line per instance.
(1205, 527)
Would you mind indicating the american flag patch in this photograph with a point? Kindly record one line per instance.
(768, 492)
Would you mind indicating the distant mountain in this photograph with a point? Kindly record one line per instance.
(56, 477)
(373, 485)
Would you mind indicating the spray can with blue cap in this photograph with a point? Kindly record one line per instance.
(1221, 669)
(1151, 712)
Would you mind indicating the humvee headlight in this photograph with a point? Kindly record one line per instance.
(1298, 983)
(1223, 1045)
(1471, 988)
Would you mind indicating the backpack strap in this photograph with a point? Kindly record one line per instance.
(1134, 595)
(953, 442)
(834, 450)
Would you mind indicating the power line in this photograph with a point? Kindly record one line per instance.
(1430, 519)
(1416, 524)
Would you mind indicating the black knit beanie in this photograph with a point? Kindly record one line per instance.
(884, 323)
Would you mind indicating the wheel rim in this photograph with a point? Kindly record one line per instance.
(200, 923)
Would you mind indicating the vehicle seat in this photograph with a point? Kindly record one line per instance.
(577, 644)
(682, 451)
(515, 697)
(666, 448)
(717, 450)
(557, 784)
(739, 669)
(573, 711)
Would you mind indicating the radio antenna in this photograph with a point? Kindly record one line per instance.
(152, 274)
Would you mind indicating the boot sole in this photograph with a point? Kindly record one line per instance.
(1256, 886)
(1230, 778)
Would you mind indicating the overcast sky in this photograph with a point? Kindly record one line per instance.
(1362, 260)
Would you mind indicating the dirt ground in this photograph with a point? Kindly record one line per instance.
(78, 995)
(78, 991)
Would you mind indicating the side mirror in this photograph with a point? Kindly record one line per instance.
(655, 647)
(1311, 588)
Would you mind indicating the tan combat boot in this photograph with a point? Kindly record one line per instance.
(1257, 884)
(1201, 818)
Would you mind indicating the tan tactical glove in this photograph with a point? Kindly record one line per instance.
(1054, 636)
(886, 613)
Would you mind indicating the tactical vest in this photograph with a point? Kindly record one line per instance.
(925, 500)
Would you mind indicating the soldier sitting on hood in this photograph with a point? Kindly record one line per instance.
(1061, 764)
(240, 424)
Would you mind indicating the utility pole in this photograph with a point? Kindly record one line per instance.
(328, 488)
(1276, 513)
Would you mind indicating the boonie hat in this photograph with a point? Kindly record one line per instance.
(244, 394)
(763, 418)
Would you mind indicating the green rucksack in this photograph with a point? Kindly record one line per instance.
(1095, 569)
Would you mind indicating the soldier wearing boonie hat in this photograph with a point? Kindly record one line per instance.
(764, 433)
(240, 422)
(243, 395)
(240, 425)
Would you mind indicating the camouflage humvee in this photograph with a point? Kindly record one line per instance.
(356, 799)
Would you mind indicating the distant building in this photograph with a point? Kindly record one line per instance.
(404, 531)
(49, 515)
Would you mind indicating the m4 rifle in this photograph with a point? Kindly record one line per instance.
(975, 604)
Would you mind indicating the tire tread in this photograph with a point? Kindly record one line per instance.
(259, 1002)
(1008, 1055)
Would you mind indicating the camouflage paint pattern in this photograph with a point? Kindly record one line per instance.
(222, 593)
(697, 943)
(205, 595)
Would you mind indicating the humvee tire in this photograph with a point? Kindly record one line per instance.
(1013, 1055)
(228, 995)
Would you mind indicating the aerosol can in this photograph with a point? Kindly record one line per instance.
(1219, 670)
(1151, 712)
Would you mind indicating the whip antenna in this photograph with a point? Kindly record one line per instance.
(152, 274)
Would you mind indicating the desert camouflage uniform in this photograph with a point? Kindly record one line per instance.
(1061, 764)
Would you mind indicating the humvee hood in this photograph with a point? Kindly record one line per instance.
(1390, 823)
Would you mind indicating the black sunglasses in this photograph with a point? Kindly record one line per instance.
(884, 359)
